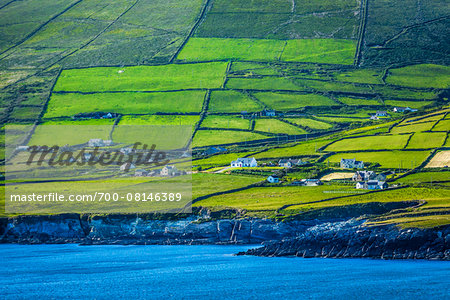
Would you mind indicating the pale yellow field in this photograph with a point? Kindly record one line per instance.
(336, 175)
(441, 159)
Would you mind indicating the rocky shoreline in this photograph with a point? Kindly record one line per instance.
(352, 240)
(307, 238)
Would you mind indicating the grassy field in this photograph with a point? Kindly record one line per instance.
(386, 159)
(426, 75)
(433, 196)
(143, 78)
(232, 102)
(360, 76)
(330, 51)
(300, 149)
(206, 49)
(285, 101)
(277, 126)
(425, 177)
(443, 125)
(225, 122)
(410, 104)
(310, 123)
(359, 102)
(266, 83)
(426, 140)
(204, 184)
(159, 120)
(72, 135)
(218, 137)
(125, 103)
(379, 142)
(272, 198)
(418, 127)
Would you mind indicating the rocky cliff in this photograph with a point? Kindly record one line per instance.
(352, 239)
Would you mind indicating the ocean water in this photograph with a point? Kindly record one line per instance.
(194, 272)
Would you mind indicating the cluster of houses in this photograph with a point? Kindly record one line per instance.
(166, 171)
(403, 109)
(250, 162)
(100, 143)
(303, 182)
(351, 164)
(378, 115)
(369, 180)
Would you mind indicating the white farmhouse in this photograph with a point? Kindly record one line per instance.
(351, 164)
(244, 163)
(273, 179)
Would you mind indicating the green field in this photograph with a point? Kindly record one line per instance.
(426, 140)
(418, 127)
(266, 83)
(443, 125)
(205, 184)
(329, 51)
(425, 177)
(218, 137)
(143, 78)
(359, 102)
(425, 76)
(277, 126)
(361, 76)
(301, 149)
(125, 103)
(387, 159)
(285, 101)
(272, 198)
(410, 104)
(232, 102)
(206, 49)
(72, 135)
(225, 122)
(159, 120)
(310, 123)
(379, 142)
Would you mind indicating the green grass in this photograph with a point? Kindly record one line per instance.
(311, 123)
(218, 137)
(443, 125)
(387, 159)
(284, 101)
(232, 102)
(361, 76)
(255, 6)
(125, 103)
(300, 149)
(413, 127)
(277, 126)
(358, 102)
(329, 51)
(159, 120)
(411, 104)
(433, 196)
(379, 142)
(425, 177)
(272, 198)
(173, 137)
(426, 140)
(143, 78)
(225, 122)
(266, 83)
(72, 135)
(70, 122)
(425, 75)
(339, 119)
(204, 184)
(26, 112)
(206, 49)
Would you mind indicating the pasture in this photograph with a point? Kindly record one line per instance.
(277, 126)
(217, 137)
(421, 76)
(143, 78)
(232, 102)
(286, 101)
(226, 122)
(427, 140)
(379, 142)
(387, 159)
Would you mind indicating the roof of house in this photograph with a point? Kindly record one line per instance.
(244, 160)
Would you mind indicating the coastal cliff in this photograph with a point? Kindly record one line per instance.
(352, 239)
(306, 238)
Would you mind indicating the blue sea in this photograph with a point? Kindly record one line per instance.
(193, 272)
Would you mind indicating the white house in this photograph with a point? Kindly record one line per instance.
(360, 185)
(127, 166)
(244, 163)
(273, 179)
(372, 185)
(403, 109)
(99, 143)
(169, 171)
(141, 173)
(351, 164)
(311, 182)
(289, 163)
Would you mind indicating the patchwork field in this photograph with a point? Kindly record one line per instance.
(232, 102)
(379, 142)
(386, 159)
(285, 101)
(277, 126)
(440, 160)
